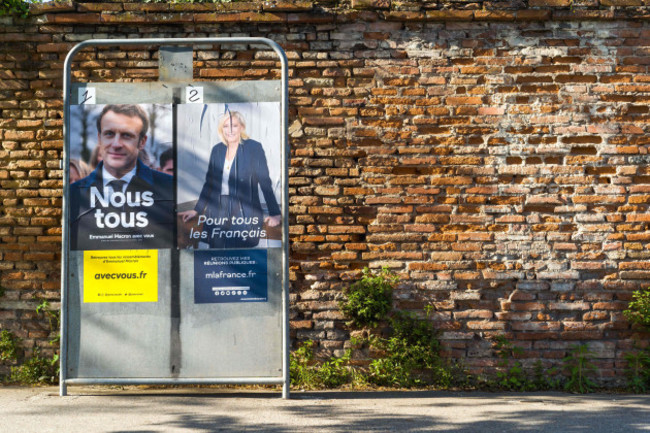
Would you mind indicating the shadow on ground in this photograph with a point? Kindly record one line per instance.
(425, 411)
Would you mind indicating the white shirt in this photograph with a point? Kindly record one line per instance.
(107, 177)
(227, 168)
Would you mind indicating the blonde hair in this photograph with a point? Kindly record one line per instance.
(237, 115)
(80, 166)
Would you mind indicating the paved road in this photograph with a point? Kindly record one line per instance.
(117, 410)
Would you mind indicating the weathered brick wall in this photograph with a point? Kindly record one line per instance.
(492, 154)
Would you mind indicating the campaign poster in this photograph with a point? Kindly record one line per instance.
(230, 276)
(121, 177)
(229, 185)
(120, 276)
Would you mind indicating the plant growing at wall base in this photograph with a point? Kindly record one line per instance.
(306, 373)
(335, 371)
(638, 370)
(511, 374)
(410, 356)
(8, 346)
(54, 320)
(579, 366)
(369, 300)
(545, 379)
(36, 369)
(638, 310)
(300, 360)
(638, 363)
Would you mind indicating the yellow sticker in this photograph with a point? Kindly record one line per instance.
(121, 276)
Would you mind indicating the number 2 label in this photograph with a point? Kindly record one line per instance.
(194, 95)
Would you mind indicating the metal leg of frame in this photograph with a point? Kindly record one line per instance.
(286, 394)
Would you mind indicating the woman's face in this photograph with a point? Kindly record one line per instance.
(232, 130)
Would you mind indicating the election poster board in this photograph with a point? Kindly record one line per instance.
(126, 240)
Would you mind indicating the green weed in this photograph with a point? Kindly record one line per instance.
(36, 369)
(39, 369)
(638, 370)
(545, 379)
(8, 346)
(369, 300)
(410, 355)
(306, 373)
(16, 7)
(511, 374)
(579, 366)
(638, 310)
(54, 319)
(336, 371)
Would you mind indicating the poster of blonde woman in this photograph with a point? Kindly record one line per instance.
(229, 176)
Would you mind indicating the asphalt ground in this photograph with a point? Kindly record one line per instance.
(138, 409)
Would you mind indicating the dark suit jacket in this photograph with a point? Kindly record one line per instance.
(249, 171)
(86, 234)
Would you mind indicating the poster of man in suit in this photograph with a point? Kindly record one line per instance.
(118, 197)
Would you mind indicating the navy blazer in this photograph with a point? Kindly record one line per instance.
(249, 171)
(87, 234)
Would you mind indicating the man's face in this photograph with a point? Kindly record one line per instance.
(120, 142)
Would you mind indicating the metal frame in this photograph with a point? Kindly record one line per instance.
(67, 84)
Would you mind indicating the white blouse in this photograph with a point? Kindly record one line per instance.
(227, 167)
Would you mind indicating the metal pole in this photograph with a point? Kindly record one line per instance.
(176, 381)
(285, 232)
(285, 380)
(65, 244)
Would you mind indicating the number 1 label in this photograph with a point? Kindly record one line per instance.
(87, 96)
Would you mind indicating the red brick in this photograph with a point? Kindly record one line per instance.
(74, 18)
(526, 221)
(449, 15)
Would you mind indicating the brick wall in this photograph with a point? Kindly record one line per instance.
(493, 154)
